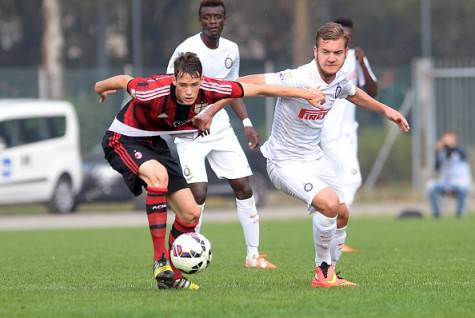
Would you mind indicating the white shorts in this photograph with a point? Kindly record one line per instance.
(343, 154)
(224, 154)
(304, 180)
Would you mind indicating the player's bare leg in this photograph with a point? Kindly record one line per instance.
(155, 175)
(187, 215)
(200, 191)
(326, 203)
(340, 236)
(338, 241)
(249, 219)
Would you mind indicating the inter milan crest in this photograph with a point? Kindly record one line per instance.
(337, 91)
(285, 75)
(228, 62)
(199, 107)
(187, 173)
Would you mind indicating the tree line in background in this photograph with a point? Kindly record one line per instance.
(100, 37)
(389, 31)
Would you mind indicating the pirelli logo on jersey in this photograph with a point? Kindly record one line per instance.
(312, 114)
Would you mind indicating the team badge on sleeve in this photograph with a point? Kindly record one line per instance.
(308, 187)
(228, 62)
(337, 91)
(285, 75)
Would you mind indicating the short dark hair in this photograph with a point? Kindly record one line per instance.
(211, 3)
(345, 22)
(188, 63)
(331, 31)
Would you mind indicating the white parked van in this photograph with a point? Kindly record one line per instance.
(39, 153)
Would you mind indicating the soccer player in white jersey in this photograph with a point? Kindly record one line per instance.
(220, 59)
(339, 139)
(295, 162)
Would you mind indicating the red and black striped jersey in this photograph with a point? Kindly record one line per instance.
(154, 110)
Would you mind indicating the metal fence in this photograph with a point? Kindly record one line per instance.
(445, 91)
(94, 118)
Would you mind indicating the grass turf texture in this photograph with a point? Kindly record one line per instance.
(410, 268)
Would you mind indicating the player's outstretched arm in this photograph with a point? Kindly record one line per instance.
(111, 85)
(256, 87)
(202, 121)
(364, 100)
(253, 79)
(313, 95)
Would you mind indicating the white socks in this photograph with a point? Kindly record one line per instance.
(200, 222)
(337, 243)
(247, 213)
(323, 232)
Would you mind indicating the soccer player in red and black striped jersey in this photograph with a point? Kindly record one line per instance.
(169, 104)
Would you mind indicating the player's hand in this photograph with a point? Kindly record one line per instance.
(103, 95)
(359, 54)
(398, 118)
(252, 137)
(316, 98)
(202, 122)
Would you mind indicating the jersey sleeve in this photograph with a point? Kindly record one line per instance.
(145, 89)
(285, 78)
(234, 72)
(347, 89)
(218, 89)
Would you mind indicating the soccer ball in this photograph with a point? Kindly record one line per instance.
(191, 253)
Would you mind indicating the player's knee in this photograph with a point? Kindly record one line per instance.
(327, 208)
(327, 202)
(244, 193)
(242, 188)
(331, 208)
(343, 217)
(154, 174)
(159, 180)
(192, 216)
(199, 192)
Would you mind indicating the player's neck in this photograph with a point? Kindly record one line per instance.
(211, 43)
(327, 78)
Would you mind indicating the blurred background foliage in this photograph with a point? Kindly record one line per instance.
(99, 41)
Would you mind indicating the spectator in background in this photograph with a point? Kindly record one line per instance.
(454, 173)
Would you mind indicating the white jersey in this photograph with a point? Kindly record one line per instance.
(341, 119)
(222, 63)
(297, 125)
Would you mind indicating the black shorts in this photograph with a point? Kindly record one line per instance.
(126, 154)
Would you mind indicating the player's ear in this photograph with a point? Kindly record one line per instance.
(315, 51)
(174, 80)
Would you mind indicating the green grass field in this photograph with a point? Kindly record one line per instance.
(410, 268)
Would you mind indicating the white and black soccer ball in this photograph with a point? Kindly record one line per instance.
(191, 253)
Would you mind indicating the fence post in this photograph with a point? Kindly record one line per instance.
(423, 122)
